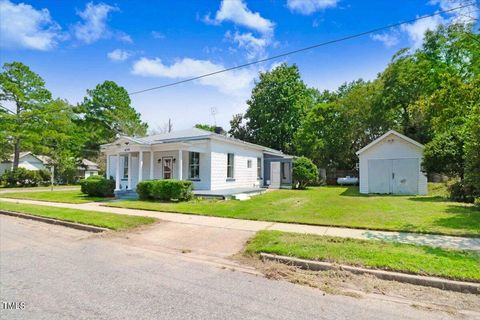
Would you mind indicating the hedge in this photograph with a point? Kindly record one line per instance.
(165, 190)
(22, 177)
(97, 186)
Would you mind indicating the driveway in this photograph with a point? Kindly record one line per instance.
(60, 273)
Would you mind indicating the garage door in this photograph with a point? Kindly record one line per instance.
(396, 176)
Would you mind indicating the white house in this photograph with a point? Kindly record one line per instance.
(211, 161)
(34, 162)
(392, 164)
(28, 161)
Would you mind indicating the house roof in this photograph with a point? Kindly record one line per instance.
(399, 135)
(44, 159)
(191, 135)
(88, 165)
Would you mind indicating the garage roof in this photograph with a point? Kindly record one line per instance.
(401, 136)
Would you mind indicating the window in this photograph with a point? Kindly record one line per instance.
(259, 168)
(249, 164)
(194, 165)
(285, 167)
(125, 167)
(230, 164)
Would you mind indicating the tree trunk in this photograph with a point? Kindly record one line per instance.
(16, 154)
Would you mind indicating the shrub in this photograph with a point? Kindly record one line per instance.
(21, 177)
(459, 191)
(97, 186)
(144, 189)
(305, 172)
(45, 176)
(165, 190)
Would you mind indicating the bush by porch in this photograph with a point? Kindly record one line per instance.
(166, 190)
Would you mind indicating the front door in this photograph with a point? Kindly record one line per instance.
(167, 167)
(275, 175)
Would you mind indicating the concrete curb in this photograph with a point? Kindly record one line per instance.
(68, 224)
(444, 284)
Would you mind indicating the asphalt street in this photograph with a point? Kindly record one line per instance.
(60, 273)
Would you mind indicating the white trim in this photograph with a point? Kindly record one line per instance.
(401, 136)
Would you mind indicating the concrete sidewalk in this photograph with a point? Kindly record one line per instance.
(451, 242)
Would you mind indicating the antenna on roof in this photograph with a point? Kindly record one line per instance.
(213, 112)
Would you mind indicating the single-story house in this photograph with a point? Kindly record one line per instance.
(391, 164)
(34, 162)
(27, 160)
(211, 161)
(87, 168)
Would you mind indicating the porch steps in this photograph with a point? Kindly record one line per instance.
(126, 195)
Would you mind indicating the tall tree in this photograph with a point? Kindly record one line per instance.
(239, 129)
(26, 92)
(106, 112)
(278, 103)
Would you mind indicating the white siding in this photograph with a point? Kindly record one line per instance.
(5, 167)
(205, 169)
(243, 176)
(391, 147)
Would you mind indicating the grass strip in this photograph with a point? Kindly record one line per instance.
(94, 218)
(421, 260)
(64, 196)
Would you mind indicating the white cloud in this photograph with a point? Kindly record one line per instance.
(235, 82)
(255, 47)
(307, 7)
(388, 39)
(237, 12)
(416, 30)
(94, 26)
(462, 15)
(22, 26)
(122, 36)
(118, 55)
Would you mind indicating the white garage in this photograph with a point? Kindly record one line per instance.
(391, 164)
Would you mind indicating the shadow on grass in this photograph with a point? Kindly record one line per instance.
(353, 191)
(429, 199)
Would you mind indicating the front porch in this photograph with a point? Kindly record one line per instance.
(132, 164)
(224, 194)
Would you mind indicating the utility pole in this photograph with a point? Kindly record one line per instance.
(170, 125)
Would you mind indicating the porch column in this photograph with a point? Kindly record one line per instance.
(129, 181)
(107, 173)
(140, 166)
(117, 173)
(180, 164)
(151, 165)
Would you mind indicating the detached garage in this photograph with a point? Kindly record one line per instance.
(391, 164)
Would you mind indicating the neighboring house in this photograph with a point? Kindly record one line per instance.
(28, 161)
(392, 164)
(87, 168)
(211, 161)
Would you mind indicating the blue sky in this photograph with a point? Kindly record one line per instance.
(75, 45)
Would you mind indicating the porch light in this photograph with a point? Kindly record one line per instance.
(159, 160)
(174, 160)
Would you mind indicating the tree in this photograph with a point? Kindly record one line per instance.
(472, 151)
(275, 110)
(106, 112)
(304, 172)
(26, 91)
(239, 129)
(211, 128)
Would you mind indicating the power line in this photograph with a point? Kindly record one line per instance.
(303, 49)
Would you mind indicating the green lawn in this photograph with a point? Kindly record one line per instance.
(337, 206)
(99, 219)
(41, 188)
(67, 196)
(423, 260)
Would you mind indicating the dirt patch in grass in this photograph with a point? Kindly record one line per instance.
(337, 282)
